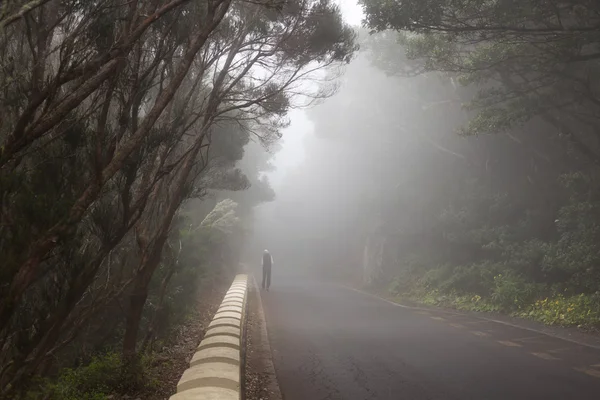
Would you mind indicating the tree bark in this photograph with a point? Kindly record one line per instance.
(30, 270)
(96, 72)
(152, 253)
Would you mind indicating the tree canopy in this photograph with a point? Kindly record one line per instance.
(526, 59)
(114, 116)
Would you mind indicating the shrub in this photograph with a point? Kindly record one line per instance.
(98, 378)
(474, 303)
(435, 278)
(579, 310)
(471, 279)
(511, 292)
(103, 376)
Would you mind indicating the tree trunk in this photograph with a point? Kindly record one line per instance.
(132, 326)
(138, 296)
(161, 299)
(30, 269)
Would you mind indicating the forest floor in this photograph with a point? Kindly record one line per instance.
(260, 379)
(171, 361)
(174, 358)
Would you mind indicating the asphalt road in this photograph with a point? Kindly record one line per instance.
(330, 342)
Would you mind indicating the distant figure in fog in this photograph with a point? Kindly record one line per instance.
(267, 263)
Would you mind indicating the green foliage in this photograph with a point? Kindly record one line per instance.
(554, 282)
(102, 376)
(511, 292)
(518, 57)
(580, 310)
(105, 132)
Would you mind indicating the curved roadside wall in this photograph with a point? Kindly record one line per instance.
(215, 372)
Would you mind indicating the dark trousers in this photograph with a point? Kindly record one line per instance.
(266, 282)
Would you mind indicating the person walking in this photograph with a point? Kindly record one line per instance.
(267, 263)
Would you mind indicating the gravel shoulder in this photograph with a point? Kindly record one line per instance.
(174, 358)
(261, 380)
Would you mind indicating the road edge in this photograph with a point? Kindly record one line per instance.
(265, 347)
(458, 312)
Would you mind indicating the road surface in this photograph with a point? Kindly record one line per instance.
(330, 342)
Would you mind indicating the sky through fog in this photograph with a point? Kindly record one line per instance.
(292, 151)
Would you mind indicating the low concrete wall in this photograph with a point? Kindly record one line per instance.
(215, 369)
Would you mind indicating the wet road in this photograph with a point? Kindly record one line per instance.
(330, 342)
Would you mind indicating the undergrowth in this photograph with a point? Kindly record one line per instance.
(103, 376)
(510, 296)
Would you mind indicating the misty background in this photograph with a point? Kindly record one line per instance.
(426, 179)
(151, 150)
(286, 161)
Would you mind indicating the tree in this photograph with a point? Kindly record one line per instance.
(256, 77)
(530, 59)
(389, 194)
(114, 115)
(26, 266)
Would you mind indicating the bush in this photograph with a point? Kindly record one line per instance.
(402, 284)
(474, 303)
(465, 280)
(471, 279)
(397, 286)
(580, 310)
(103, 376)
(98, 378)
(511, 292)
(435, 278)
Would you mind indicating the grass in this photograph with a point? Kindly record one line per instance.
(581, 310)
(102, 377)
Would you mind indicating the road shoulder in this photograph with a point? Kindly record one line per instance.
(261, 380)
(570, 334)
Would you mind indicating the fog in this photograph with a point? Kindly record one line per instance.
(385, 179)
(435, 153)
(341, 157)
(448, 168)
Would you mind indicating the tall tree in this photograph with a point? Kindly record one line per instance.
(530, 59)
(110, 114)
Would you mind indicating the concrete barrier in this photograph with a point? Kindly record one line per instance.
(215, 371)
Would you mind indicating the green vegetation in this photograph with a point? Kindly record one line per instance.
(581, 310)
(125, 128)
(509, 297)
(504, 216)
(101, 377)
(467, 158)
(550, 276)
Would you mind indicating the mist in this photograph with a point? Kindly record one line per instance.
(409, 187)
(377, 137)
(424, 182)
